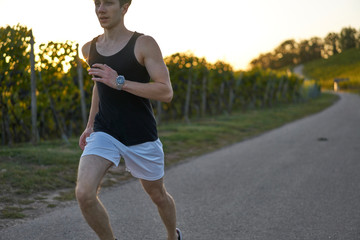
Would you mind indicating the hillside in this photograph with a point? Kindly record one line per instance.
(343, 65)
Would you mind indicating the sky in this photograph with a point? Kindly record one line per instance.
(234, 31)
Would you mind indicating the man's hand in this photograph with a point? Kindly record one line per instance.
(84, 135)
(104, 74)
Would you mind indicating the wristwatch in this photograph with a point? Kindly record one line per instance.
(119, 82)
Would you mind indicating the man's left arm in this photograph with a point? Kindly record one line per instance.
(149, 54)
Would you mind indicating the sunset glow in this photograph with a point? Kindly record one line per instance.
(234, 31)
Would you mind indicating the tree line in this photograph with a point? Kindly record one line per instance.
(63, 88)
(291, 52)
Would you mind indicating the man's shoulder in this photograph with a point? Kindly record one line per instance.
(146, 42)
(86, 50)
(86, 47)
(146, 39)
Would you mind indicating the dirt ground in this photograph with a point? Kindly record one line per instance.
(44, 202)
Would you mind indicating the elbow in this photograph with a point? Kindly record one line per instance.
(168, 97)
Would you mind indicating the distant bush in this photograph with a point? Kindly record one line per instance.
(291, 52)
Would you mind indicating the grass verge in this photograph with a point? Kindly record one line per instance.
(34, 173)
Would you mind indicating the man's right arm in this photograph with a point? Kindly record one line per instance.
(94, 104)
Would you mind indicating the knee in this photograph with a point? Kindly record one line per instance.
(84, 196)
(159, 197)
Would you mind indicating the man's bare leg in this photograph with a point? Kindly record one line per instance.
(165, 204)
(90, 173)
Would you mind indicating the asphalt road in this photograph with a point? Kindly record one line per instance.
(300, 181)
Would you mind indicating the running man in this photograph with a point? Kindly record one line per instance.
(121, 122)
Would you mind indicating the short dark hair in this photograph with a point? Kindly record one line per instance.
(122, 2)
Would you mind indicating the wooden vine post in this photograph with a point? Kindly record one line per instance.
(81, 87)
(34, 131)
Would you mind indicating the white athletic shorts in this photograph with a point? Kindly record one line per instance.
(143, 161)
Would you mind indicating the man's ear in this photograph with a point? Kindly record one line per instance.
(124, 8)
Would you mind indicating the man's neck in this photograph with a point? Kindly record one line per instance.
(115, 34)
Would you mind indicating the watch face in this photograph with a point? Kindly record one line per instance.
(120, 82)
(120, 79)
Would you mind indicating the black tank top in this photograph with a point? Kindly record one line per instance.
(126, 117)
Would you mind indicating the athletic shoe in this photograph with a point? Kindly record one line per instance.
(179, 234)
